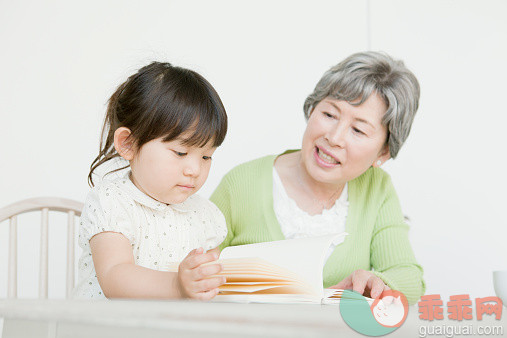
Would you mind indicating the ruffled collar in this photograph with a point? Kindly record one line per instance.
(340, 203)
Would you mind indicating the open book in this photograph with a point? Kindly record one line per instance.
(287, 271)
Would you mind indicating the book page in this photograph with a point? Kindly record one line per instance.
(303, 256)
(333, 296)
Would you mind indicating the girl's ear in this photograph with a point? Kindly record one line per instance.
(123, 143)
(382, 157)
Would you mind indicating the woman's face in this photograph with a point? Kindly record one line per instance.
(342, 141)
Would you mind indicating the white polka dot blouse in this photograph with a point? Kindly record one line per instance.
(159, 234)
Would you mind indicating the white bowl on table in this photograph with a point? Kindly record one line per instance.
(500, 284)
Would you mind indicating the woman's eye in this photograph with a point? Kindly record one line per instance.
(206, 158)
(357, 131)
(327, 115)
(179, 153)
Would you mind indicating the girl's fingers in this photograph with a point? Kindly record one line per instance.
(206, 271)
(208, 284)
(207, 295)
(185, 262)
(215, 250)
(191, 262)
(206, 258)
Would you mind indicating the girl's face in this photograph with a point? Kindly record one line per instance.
(170, 172)
(342, 141)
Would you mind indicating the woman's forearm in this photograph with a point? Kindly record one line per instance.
(133, 281)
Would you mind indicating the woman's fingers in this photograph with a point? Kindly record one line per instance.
(359, 280)
(344, 284)
(376, 286)
(363, 282)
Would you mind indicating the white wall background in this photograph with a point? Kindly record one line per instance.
(60, 61)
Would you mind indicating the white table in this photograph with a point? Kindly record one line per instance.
(132, 318)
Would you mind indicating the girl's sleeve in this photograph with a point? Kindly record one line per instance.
(392, 257)
(106, 209)
(222, 199)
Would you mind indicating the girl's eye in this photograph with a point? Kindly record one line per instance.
(179, 153)
(206, 158)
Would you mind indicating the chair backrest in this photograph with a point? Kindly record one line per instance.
(43, 204)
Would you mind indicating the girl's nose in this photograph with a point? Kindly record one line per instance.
(192, 169)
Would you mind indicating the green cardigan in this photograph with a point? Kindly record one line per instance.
(378, 235)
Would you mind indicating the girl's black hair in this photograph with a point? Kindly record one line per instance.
(162, 100)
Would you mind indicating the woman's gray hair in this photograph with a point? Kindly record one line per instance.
(361, 74)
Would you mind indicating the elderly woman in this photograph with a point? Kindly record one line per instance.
(358, 116)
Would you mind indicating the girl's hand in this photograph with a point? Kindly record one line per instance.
(194, 279)
(364, 282)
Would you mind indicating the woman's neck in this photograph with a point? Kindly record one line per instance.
(311, 195)
(326, 193)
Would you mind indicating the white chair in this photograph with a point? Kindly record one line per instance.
(43, 204)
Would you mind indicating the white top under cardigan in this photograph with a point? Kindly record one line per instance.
(297, 223)
(159, 233)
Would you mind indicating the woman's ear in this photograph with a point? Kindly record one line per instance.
(123, 143)
(382, 157)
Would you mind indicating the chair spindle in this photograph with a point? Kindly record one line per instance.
(70, 253)
(12, 285)
(43, 266)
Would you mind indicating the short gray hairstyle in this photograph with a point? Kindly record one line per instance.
(361, 74)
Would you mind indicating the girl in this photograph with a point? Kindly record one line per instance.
(166, 122)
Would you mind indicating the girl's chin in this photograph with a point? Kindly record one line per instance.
(173, 200)
(168, 199)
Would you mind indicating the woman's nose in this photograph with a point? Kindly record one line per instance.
(336, 135)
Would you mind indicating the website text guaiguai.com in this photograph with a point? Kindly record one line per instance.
(460, 330)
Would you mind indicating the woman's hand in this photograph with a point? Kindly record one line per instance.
(363, 282)
(194, 280)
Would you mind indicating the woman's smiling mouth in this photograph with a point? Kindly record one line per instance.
(324, 159)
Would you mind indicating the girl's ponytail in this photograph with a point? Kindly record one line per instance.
(107, 151)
